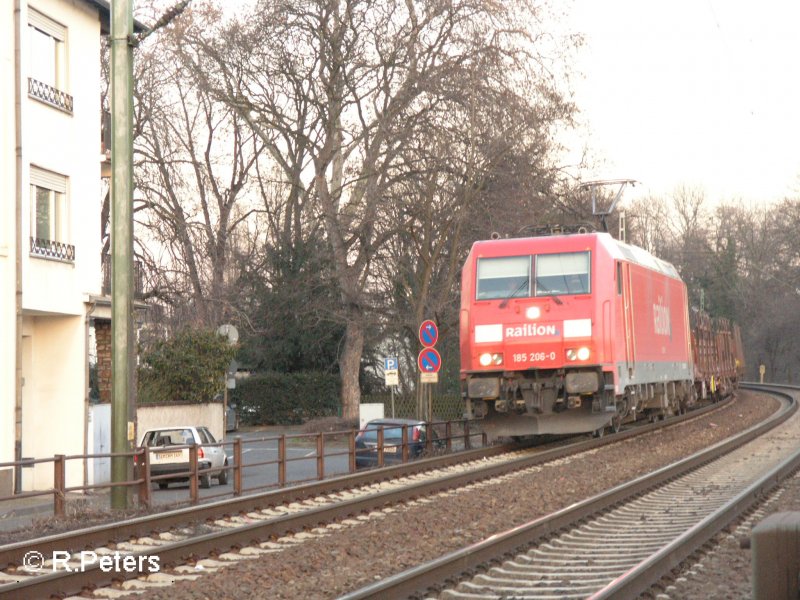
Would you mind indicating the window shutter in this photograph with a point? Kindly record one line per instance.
(48, 180)
(46, 24)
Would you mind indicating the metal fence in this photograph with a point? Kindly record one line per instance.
(447, 407)
(319, 449)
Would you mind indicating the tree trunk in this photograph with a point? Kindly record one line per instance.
(350, 366)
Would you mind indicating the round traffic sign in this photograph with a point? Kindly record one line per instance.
(429, 360)
(428, 333)
(229, 331)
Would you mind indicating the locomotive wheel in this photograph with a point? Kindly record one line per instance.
(600, 432)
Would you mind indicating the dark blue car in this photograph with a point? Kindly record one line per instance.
(367, 441)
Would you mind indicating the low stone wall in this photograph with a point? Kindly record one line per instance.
(181, 413)
(6, 481)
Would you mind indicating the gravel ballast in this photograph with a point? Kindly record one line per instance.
(328, 562)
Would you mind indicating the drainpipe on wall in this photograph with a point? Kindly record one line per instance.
(87, 392)
(18, 249)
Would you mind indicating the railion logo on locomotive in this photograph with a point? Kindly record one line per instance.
(531, 330)
(661, 320)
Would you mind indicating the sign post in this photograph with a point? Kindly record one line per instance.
(429, 362)
(392, 375)
(232, 334)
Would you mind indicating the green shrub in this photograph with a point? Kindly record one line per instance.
(189, 367)
(286, 398)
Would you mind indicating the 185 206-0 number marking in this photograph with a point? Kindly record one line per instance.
(533, 356)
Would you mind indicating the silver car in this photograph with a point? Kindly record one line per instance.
(167, 459)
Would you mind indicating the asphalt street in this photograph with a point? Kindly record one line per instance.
(301, 465)
(259, 447)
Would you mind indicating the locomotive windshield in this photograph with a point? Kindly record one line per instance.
(566, 273)
(506, 277)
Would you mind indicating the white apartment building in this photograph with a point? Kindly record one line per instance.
(50, 195)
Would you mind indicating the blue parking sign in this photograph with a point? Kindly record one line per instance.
(390, 363)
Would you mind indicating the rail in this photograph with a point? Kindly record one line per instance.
(429, 576)
(65, 583)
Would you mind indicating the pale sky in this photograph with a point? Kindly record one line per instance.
(698, 92)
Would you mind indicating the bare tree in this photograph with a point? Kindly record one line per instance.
(335, 89)
(742, 263)
(646, 220)
(480, 163)
(194, 159)
(766, 290)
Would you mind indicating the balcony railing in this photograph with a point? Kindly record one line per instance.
(52, 249)
(49, 95)
(138, 278)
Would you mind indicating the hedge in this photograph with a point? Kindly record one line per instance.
(187, 367)
(286, 398)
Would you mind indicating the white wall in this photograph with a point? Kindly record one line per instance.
(99, 469)
(209, 414)
(99, 443)
(54, 292)
(369, 411)
(53, 401)
(68, 145)
(7, 236)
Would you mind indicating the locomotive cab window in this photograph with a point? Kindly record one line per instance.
(506, 277)
(560, 274)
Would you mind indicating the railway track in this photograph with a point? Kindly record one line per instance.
(210, 530)
(620, 542)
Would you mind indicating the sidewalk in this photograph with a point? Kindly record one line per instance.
(20, 513)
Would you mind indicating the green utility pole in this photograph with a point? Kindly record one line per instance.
(123, 405)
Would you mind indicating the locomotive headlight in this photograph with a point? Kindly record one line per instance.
(487, 359)
(578, 353)
(533, 312)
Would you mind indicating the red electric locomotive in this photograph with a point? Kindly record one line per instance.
(572, 333)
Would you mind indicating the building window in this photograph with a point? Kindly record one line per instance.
(49, 222)
(47, 61)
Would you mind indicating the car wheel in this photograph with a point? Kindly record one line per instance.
(223, 475)
(162, 485)
(205, 481)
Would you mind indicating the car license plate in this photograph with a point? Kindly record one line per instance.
(390, 449)
(168, 455)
